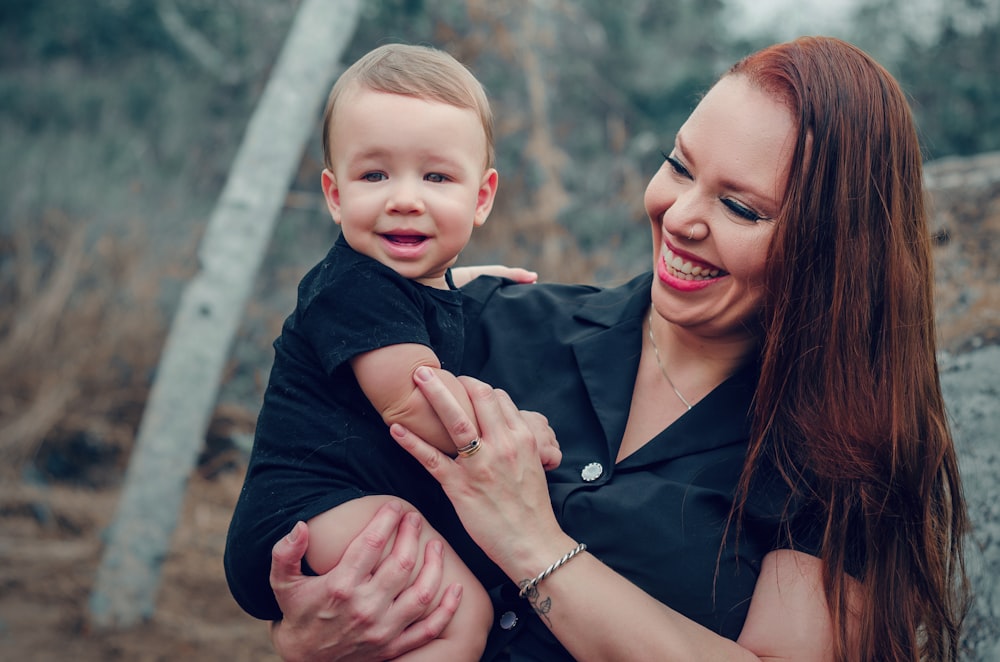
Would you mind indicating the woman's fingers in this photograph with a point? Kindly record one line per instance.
(511, 415)
(364, 553)
(463, 275)
(430, 628)
(393, 573)
(526, 429)
(434, 461)
(416, 605)
(419, 598)
(489, 406)
(498, 418)
(286, 560)
(545, 439)
(461, 429)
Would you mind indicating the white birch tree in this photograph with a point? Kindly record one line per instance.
(186, 387)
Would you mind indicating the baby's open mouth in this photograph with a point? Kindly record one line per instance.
(405, 239)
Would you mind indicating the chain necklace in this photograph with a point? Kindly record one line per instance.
(656, 353)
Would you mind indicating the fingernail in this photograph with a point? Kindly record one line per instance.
(293, 535)
(424, 373)
(437, 547)
(396, 506)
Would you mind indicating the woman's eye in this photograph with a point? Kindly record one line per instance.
(677, 166)
(435, 177)
(373, 176)
(743, 211)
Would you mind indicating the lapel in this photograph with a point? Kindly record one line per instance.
(719, 419)
(607, 357)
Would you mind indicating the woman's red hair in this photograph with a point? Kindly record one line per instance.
(849, 405)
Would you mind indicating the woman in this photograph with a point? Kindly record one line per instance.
(763, 469)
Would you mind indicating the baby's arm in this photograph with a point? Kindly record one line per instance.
(386, 377)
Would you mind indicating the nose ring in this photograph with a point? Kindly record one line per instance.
(691, 233)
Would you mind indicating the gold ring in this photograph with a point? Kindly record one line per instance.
(470, 448)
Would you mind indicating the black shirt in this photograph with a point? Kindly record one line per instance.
(319, 441)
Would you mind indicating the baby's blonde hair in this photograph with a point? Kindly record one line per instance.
(416, 71)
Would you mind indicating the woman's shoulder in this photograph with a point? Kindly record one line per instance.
(493, 292)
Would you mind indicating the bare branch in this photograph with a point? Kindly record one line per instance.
(196, 45)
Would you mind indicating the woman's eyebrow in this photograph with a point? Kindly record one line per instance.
(679, 145)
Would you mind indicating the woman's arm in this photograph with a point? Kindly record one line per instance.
(463, 275)
(789, 618)
(501, 496)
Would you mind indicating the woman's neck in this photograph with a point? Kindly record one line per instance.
(693, 363)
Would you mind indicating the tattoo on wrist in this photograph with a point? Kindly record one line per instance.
(542, 606)
(529, 587)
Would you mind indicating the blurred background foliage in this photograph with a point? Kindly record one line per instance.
(120, 119)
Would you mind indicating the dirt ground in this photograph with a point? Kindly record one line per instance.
(50, 546)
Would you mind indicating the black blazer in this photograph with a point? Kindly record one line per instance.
(658, 517)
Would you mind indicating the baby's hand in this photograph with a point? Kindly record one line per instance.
(463, 275)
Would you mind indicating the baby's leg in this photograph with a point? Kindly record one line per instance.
(465, 636)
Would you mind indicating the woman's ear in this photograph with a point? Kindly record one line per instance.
(487, 194)
(331, 193)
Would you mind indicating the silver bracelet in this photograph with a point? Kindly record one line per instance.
(528, 585)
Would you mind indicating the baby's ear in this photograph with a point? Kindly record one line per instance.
(331, 193)
(487, 194)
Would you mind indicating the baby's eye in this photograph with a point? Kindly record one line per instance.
(373, 176)
(744, 212)
(436, 177)
(677, 166)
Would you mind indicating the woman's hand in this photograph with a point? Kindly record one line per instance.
(365, 608)
(462, 275)
(545, 439)
(500, 492)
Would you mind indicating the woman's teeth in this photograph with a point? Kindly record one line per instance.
(687, 271)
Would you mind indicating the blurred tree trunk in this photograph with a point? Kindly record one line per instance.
(184, 394)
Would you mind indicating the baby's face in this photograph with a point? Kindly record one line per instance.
(409, 181)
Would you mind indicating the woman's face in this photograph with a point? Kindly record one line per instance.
(712, 206)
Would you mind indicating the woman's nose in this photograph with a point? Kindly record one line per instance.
(686, 217)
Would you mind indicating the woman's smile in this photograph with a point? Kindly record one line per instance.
(686, 267)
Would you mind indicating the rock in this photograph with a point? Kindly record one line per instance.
(971, 385)
(965, 220)
(965, 194)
